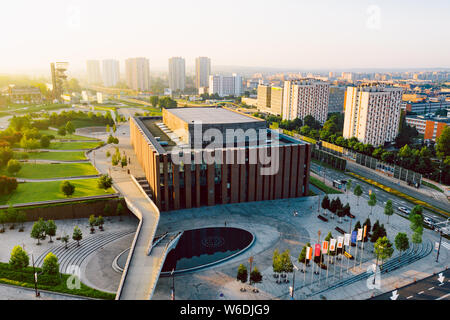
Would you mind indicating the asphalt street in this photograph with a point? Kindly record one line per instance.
(435, 287)
(382, 196)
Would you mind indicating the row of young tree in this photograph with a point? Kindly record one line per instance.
(19, 260)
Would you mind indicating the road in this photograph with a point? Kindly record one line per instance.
(434, 287)
(382, 196)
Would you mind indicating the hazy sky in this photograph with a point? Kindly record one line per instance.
(273, 33)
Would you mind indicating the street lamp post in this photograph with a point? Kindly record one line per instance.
(293, 281)
(35, 277)
(439, 248)
(173, 284)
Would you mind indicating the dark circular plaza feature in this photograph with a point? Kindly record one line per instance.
(203, 247)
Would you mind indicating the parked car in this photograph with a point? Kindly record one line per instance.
(429, 222)
(404, 210)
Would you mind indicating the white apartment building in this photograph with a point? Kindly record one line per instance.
(372, 114)
(225, 85)
(110, 72)
(202, 71)
(306, 97)
(137, 71)
(177, 73)
(93, 72)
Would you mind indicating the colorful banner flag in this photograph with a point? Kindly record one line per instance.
(317, 250)
(332, 245)
(340, 242)
(309, 252)
(365, 231)
(354, 233)
(325, 247)
(360, 233)
(347, 239)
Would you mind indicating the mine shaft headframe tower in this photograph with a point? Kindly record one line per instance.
(58, 70)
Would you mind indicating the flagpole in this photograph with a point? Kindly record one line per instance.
(312, 258)
(328, 266)
(350, 245)
(356, 253)
(361, 254)
(320, 266)
(340, 262)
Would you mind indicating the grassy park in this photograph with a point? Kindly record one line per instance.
(54, 170)
(66, 137)
(73, 145)
(51, 190)
(322, 186)
(55, 155)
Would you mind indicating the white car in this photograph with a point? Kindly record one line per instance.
(404, 210)
(428, 221)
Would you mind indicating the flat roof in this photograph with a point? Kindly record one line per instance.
(208, 115)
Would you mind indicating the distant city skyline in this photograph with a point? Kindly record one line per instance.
(293, 34)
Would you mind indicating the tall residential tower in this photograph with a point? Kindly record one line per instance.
(110, 72)
(372, 114)
(202, 71)
(93, 72)
(137, 72)
(177, 73)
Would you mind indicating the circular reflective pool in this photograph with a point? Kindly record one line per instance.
(203, 247)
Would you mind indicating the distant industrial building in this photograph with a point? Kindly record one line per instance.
(426, 107)
(372, 114)
(225, 85)
(177, 74)
(431, 127)
(137, 73)
(202, 72)
(211, 171)
(110, 72)
(306, 97)
(94, 75)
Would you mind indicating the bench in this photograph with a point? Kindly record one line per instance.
(322, 218)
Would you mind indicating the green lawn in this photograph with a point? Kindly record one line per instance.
(58, 170)
(25, 278)
(73, 145)
(322, 186)
(66, 137)
(57, 156)
(83, 123)
(432, 186)
(26, 192)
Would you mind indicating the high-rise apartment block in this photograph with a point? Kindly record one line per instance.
(337, 98)
(270, 99)
(306, 97)
(177, 73)
(137, 72)
(110, 72)
(202, 72)
(225, 85)
(93, 72)
(372, 114)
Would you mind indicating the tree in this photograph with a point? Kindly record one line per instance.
(154, 100)
(70, 129)
(65, 240)
(19, 258)
(92, 222)
(326, 202)
(38, 230)
(372, 201)
(77, 235)
(255, 276)
(123, 161)
(401, 243)
(62, 131)
(13, 167)
(358, 192)
(388, 209)
(119, 210)
(50, 229)
(242, 273)
(100, 222)
(302, 256)
(286, 261)
(50, 265)
(104, 182)
(416, 218)
(357, 226)
(277, 264)
(67, 188)
(383, 250)
(12, 216)
(45, 141)
(3, 220)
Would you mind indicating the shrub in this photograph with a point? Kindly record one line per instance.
(105, 182)
(19, 258)
(67, 188)
(242, 273)
(45, 141)
(13, 166)
(50, 265)
(7, 185)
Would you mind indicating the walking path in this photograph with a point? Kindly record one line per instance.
(141, 272)
(59, 179)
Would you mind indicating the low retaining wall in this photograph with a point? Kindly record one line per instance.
(76, 210)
